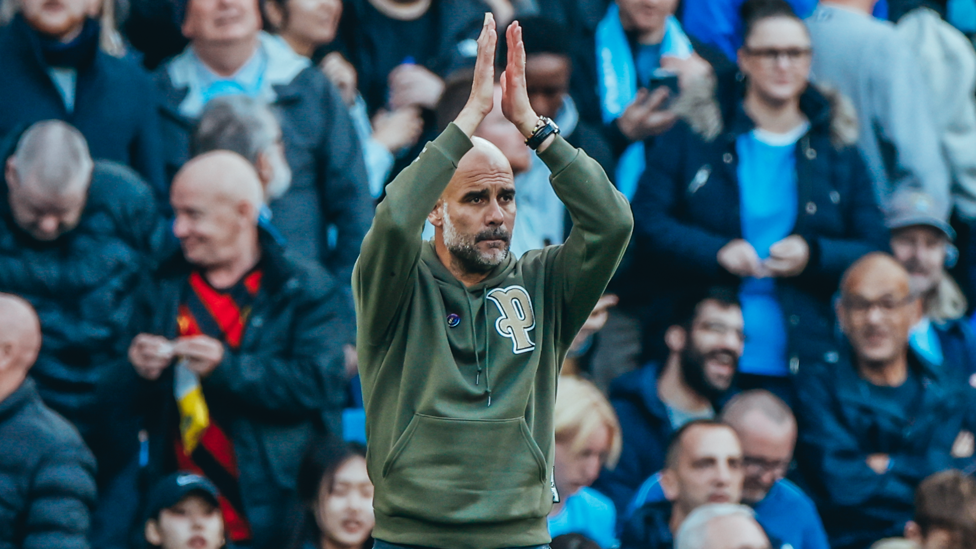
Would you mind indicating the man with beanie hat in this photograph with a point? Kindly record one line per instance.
(922, 242)
(53, 68)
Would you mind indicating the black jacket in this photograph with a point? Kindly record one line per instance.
(687, 208)
(46, 476)
(649, 527)
(328, 186)
(278, 389)
(113, 102)
(81, 286)
(841, 425)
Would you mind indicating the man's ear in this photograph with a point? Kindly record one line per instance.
(436, 216)
(913, 532)
(274, 14)
(839, 313)
(10, 173)
(676, 338)
(669, 484)
(152, 533)
(7, 353)
(263, 166)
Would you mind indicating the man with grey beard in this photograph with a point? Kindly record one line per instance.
(459, 342)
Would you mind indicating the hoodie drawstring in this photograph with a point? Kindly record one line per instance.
(474, 342)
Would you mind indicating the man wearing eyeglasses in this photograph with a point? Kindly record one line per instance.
(767, 432)
(881, 419)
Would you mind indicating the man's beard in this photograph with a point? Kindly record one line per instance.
(920, 282)
(281, 178)
(693, 371)
(464, 248)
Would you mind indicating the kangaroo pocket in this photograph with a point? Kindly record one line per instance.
(459, 471)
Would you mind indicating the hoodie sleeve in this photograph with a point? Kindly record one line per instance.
(391, 249)
(602, 224)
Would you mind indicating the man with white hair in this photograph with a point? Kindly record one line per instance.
(76, 236)
(242, 344)
(721, 526)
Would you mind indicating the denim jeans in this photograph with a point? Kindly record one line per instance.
(380, 544)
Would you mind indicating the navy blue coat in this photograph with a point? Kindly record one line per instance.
(841, 425)
(46, 476)
(114, 105)
(687, 208)
(284, 384)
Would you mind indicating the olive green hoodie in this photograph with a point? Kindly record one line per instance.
(459, 383)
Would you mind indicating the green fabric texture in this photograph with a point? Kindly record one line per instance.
(460, 419)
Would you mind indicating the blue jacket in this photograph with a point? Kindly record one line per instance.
(329, 187)
(645, 429)
(786, 513)
(113, 102)
(687, 208)
(841, 425)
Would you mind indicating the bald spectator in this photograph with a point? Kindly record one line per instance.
(76, 237)
(880, 420)
(327, 210)
(46, 472)
(704, 465)
(767, 432)
(240, 350)
(54, 67)
(722, 526)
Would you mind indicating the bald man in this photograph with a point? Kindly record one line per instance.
(880, 419)
(459, 342)
(243, 345)
(76, 237)
(47, 474)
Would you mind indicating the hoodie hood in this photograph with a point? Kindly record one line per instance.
(713, 106)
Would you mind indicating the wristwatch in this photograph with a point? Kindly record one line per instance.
(544, 127)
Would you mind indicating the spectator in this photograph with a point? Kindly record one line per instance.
(54, 68)
(881, 419)
(704, 465)
(587, 438)
(47, 473)
(184, 513)
(75, 239)
(260, 362)
(948, 69)
(329, 186)
(767, 431)
(866, 60)
(309, 28)
(403, 50)
(762, 187)
(722, 526)
(717, 23)
(705, 342)
(922, 242)
(337, 497)
(634, 40)
(945, 512)
(548, 68)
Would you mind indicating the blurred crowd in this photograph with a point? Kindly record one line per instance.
(784, 360)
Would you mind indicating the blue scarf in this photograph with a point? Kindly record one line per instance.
(617, 83)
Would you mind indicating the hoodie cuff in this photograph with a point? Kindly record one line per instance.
(453, 142)
(558, 155)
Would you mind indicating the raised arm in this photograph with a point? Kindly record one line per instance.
(391, 249)
(602, 221)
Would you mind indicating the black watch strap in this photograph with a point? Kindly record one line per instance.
(544, 130)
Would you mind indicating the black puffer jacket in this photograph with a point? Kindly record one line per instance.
(81, 286)
(278, 389)
(47, 484)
